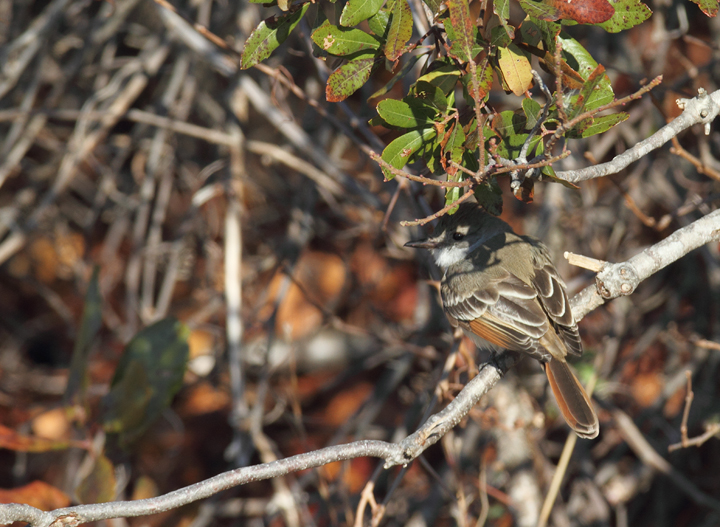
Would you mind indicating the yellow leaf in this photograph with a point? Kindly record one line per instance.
(515, 68)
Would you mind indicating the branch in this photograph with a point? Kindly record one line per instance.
(621, 279)
(613, 280)
(72, 516)
(700, 110)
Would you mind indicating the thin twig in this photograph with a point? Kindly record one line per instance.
(637, 442)
(685, 442)
(568, 124)
(439, 213)
(420, 179)
(702, 168)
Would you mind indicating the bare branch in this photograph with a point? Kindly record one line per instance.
(72, 516)
(710, 431)
(700, 110)
(621, 279)
(644, 450)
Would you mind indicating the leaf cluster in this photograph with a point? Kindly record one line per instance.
(443, 119)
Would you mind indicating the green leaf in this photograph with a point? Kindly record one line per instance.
(401, 26)
(399, 152)
(379, 23)
(585, 66)
(489, 195)
(709, 7)
(454, 142)
(502, 9)
(463, 25)
(400, 75)
(456, 51)
(89, 327)
(452, 194)
(509, 123)
(540, 10)
(355, 11)
(349, 78)
(269, 35)
(99, 485)
(587, 92)
(530, 33)
(471, 160)
(511, 127)
(598, 125)
(341, 41)
(628, 13)
(431, 95)
(434, 5)
(405, 114)
(484, 83)
(442, 74)
(534, 31)
(532, 110)
(499, 37)
(149, 374)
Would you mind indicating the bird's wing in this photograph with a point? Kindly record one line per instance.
(554, 300)
(504, 312)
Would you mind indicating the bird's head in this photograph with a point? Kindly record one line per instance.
(458, 235)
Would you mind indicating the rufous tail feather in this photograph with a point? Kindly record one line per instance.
(574, 403)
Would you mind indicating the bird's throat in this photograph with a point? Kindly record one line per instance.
(447, 256)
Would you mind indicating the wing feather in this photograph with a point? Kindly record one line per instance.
(554, 300)
(505, 313)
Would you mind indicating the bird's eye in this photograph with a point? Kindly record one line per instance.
(458, 236)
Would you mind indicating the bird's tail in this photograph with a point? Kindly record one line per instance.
(574, 403)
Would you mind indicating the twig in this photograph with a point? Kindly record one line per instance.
(439, 213)
(711, 430)
(300, 139)
(508, 165)
(650, 457)
(622, 279)
(516, 181)
(707, 344)
(484, 502)
(367, 497)
(584, 261)
(565, 126)
(420, 179)
(702, 168)
(557, 57)
(701, 110)
(686, 412)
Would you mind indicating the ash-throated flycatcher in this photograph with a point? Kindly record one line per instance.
(502, 288)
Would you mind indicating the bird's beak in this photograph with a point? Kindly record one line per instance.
(422, 244)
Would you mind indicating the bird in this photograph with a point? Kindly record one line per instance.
(502, 288)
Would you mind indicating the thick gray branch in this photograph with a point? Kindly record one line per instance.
(700, 110)
(621, 279)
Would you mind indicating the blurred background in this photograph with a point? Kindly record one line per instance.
(244, 205)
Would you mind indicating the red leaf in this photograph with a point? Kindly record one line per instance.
(12, 440)
(585, 11)
(36, 494)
